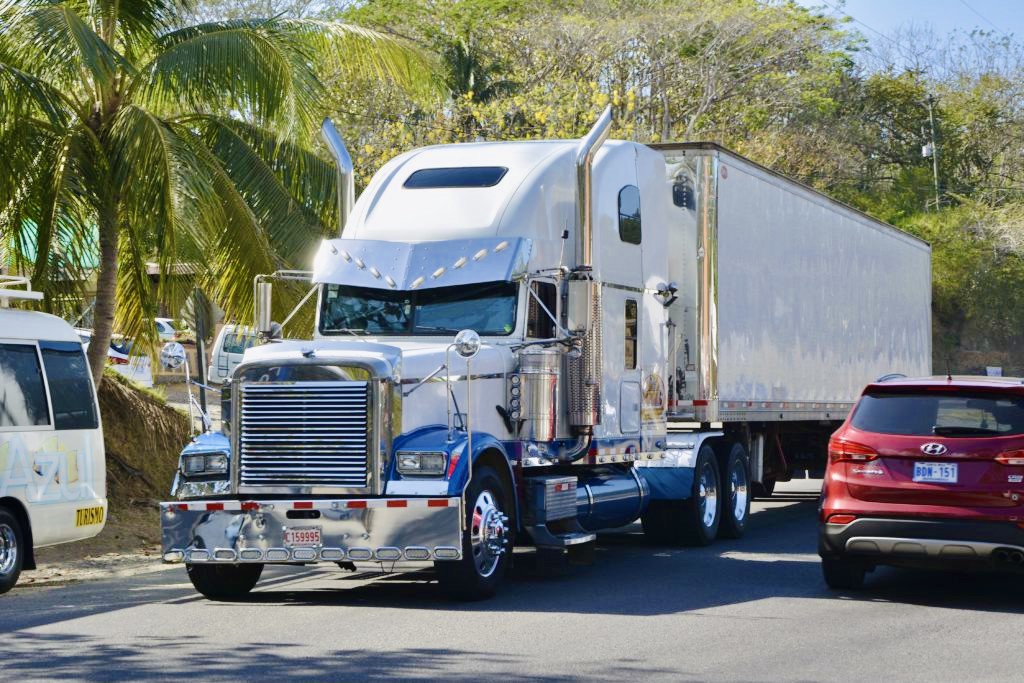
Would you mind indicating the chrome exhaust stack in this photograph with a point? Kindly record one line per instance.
(346, 172)
(583, 314)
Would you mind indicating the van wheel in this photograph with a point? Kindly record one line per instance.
(224, 581)
(843, 573)
(486, 542)
(12, 550)
(693, 521)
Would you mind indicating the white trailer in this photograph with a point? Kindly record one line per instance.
(641, 333)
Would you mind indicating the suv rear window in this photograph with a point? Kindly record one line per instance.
(940, 414)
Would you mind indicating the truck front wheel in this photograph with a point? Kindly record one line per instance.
(12, 549)
(224, 581)
(486, 542)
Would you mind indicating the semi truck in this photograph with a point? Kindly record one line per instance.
(523, 343)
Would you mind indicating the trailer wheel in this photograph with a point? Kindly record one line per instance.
(224, 581)
(736, 493)
(486, 542)
(12, 549)
(693, 521)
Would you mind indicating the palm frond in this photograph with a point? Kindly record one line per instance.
(22, 95)
(51, 40)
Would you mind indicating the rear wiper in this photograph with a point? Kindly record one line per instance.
(953, 431)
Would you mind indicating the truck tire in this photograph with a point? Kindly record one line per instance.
(735, 493)
(842, 573)
(486, 542)
(224, 581)
(693, 521)
(12, 550)
(763, 488)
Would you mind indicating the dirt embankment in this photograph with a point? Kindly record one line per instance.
(143, 436)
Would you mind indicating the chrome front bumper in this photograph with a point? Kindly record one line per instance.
(408, 532)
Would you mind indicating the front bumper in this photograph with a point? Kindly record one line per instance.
(400, 531)
(925, 541)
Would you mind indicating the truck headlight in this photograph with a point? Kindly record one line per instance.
(204, 463)
(421, 463)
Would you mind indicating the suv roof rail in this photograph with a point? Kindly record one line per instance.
(7, 294)
(891, 376)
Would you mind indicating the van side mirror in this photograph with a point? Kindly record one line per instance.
(264, 299)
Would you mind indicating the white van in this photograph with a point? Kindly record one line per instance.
(52, 467)
(228, 350)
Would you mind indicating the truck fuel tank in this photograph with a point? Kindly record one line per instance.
(609, 498)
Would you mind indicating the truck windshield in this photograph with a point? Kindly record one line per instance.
(488, 308)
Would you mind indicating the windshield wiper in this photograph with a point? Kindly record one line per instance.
(958, 431)
(353, 332)
(432, 328)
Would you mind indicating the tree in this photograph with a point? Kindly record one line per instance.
(182, 144)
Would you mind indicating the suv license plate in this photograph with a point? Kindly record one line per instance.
(302, 537)
(939, 472)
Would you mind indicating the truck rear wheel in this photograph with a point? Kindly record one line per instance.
(12, 550)
(764, 488)
(486, 542)
(693, 521)
(736, 493)
(224, 581)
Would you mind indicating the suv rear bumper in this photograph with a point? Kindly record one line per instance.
(925, 541)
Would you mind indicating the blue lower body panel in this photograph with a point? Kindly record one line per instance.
(668, 483)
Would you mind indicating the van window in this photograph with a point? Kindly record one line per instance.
(22, 393)
(629, 214)
(631, 334)
(67, 373)
(238, 343)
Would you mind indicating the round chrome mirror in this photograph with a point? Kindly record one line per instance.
(172, 355)
(467, 343)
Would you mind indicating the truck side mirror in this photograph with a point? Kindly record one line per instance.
(264, 324)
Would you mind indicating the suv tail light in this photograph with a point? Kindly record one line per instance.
(848, 451)
(1011, 458)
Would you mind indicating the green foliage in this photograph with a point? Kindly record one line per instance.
(187, 146)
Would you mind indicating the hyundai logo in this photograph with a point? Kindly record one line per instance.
(933, 449)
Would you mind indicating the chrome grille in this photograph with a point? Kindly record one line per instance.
(304, 434)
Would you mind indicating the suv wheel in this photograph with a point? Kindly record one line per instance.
(842, 573)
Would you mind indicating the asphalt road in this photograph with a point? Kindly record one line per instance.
(753, 609)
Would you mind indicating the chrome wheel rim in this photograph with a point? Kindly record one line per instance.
(708, 495)
(738, 490)
(8, 550)
(488, 534)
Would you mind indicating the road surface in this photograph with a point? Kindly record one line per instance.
(753, 609)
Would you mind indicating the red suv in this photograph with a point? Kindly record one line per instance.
(926, 473)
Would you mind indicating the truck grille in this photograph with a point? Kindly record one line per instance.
(304, 434)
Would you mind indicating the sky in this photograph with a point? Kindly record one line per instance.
(886, 16)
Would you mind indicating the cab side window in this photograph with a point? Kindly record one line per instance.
(631, 334)
(538, 323)
(22, 392)
(67, 373)
(629, 214)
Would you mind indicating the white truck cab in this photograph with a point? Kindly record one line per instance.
(52, 466)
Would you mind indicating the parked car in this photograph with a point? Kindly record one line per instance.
(228, 349)
(165, 329)
(136, 367)
(926, 473)
(52, 465)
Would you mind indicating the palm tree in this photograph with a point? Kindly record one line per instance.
(127, 134)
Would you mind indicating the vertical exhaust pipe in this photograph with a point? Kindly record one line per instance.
(346, 175)
(584, 297)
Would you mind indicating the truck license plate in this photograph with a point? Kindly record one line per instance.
(939, 472)
(302, 537)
